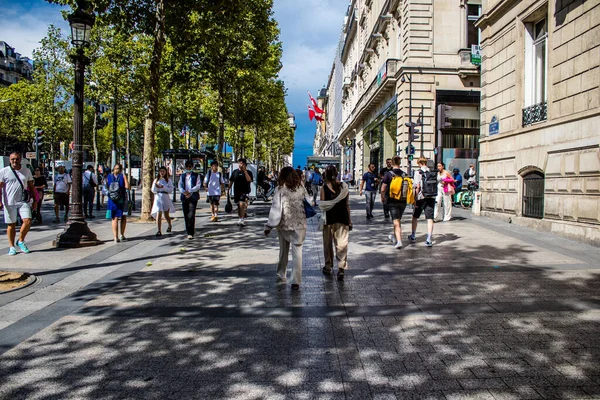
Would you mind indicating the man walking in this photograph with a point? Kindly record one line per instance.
(90, 183)
(62, 192)
(382, 172)
(189, 187)
(214, 184)
(369, 182)
(16, 185)
(307, 177)
(396, 203)
(425, 186)
(458, 180)
(241, 179)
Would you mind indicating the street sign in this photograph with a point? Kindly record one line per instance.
(412, 149)
(30, 155)
(494, 126)
(475, 54)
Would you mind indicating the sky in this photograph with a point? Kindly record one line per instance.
(310, 32)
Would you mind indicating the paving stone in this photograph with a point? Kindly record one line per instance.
(468, 395)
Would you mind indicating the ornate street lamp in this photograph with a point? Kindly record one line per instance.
(77, 233)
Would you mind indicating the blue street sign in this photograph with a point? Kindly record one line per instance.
(494, 126)
(412, 150)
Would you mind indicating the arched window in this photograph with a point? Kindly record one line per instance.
(533, 195)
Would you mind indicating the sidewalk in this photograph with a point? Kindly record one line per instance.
(492, 311)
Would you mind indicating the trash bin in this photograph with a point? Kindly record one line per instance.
(476, 209)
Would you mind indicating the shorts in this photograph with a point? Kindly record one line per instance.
(214, 200)
(10, 212)
(61, 199)
(396, 209)
(427, 204)
(240, 197)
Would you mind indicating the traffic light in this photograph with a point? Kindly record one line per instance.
(412, 131)
(443, 116)
(39, 138)
(410, 157)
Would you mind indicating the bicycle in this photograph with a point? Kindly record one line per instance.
(466, 199)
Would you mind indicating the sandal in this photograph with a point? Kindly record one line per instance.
(158, 233)
(295, 286)
(169, 230)
(340, 274)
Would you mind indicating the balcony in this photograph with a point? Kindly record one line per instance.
(347, 83)
(535, 113)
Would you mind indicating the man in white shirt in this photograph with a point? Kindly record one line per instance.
(62, 192)
(215, 185)
(189, 187)
(15, 182)
(90, 182)
(347, 178)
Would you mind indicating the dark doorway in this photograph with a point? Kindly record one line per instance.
(533, 195)
(375, 157)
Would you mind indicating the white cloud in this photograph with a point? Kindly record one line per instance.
(23, 27)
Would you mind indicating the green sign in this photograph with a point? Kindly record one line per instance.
(475, 54)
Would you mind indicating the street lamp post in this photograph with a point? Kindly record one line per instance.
(242, 133)
(77, 233)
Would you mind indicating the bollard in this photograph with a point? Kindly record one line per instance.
(97, 200)
(133, 198)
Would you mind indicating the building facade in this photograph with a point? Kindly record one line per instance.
(540, 115)
(13, 67)
(400, 59)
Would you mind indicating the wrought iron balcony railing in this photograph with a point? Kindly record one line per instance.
(535, 113)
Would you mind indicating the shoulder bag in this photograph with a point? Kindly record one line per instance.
(25, 193)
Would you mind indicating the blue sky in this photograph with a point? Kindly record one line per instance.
(310, 32)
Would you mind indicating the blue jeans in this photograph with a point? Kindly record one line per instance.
(370, 201)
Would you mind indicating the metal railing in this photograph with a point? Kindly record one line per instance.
(535, 113)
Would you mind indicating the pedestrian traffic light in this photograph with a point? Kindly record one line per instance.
(443, 116)
(410, 157)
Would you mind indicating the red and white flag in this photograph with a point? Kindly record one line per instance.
(314, 103)
(311, 113)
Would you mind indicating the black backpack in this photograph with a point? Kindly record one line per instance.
(429, 183)
(466, 175)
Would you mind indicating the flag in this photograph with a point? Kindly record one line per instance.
(311, 113)
(314, 103)
(183, 131)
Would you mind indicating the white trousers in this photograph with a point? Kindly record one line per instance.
(284, 250)
(445, 200)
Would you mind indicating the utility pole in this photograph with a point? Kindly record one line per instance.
(443, 122)
(114, 135)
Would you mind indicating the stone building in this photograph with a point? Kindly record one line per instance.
(399, 60)
(13, 66)
(540, 114)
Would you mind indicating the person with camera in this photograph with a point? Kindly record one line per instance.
(190, 184)
(16, 191)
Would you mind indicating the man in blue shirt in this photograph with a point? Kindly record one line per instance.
(458, 179)
(369, 182)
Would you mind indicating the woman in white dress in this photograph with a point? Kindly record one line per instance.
(162, 187)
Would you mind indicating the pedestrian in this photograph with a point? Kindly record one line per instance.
(337, 224)
(307, 177)
(104, 190)
(347, 178)
(300, 172)
(316, 181)
(241, 179)
(40, 183)
(117, 186)
(62, 192)
(90, 183)
(425, 188)
(470, 174)
(214, 183)
(162, 187)
(458, 180)
(189, 187)
(16, 193)
(369, 182)
(288, 217)
(444, 193)
(382, 172)
(391, 193)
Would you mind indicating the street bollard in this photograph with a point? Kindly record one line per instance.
(133, 198)
(97, 200)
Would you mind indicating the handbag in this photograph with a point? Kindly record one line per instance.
(25, 193)
(308, 209)
(228, 206)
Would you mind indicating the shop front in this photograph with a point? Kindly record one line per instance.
(380, 138)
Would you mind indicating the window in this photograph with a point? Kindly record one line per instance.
(473, 14)
(536, 71)
(533, 195)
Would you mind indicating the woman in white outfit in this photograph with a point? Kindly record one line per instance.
(288, 217)
(445, 192)
(162, 187)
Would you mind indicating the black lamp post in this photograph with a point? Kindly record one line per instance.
(77, 233)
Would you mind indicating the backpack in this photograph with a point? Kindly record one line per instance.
(115, 193)
(401, 189)
(429, 184)
(466, 175)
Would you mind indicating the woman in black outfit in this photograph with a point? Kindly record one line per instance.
(40, 183)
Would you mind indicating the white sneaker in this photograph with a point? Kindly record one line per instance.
(392, 238)
(242, 222)
(398, 245)
(190, 237)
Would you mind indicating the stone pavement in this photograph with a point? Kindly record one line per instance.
(492, 311)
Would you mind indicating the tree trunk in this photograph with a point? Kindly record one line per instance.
(152, 114)
(221, 136)
(172, 135)
(95, 138)
(127, 148)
